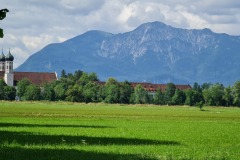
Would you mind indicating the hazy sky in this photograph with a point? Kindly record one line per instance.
(32, 24)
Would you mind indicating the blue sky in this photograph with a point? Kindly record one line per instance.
(32, 24)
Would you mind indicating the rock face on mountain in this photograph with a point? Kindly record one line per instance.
(153, 52)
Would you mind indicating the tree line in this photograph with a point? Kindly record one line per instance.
(84, 87)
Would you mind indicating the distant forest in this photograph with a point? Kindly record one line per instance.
(82, 87)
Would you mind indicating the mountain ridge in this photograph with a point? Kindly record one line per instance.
(153, 52)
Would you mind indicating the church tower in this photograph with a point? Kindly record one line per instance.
(2, 62)
(9, 77)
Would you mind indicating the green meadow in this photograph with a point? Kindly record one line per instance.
(60, 131)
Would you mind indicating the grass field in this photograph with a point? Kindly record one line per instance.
(60, 131)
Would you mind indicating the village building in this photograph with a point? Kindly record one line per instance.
(11, 77)
(152, 88)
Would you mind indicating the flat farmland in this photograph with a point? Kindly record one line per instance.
(60, 131)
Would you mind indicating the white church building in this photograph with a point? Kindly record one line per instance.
(6, 65)
(11, 78)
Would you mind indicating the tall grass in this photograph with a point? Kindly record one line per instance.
(42, 130)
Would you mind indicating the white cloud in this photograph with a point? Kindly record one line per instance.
(194, 21)
(126, 13)
(20, 55)
(36, 43)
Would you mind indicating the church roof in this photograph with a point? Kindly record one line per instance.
(37, 78)
(9, 56)
(2, 57)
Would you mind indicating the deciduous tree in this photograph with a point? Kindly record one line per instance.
(125, 92)
(159, 97)
(22, 87)
(192, 97)
(140, 95)
(91, 92)
(48, 92)
(178, 98)
(63, 74)
(9, 93)
(228, 97)
(75, 94)
(60, 91)
(112, 91)
(169, 92)
(33, 93)
(2, 85)
(236, 93)
(85, 78)
(214, 95)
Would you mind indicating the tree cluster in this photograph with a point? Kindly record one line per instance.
(85, 87)
(6, 92)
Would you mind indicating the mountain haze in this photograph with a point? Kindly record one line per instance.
(153, 52)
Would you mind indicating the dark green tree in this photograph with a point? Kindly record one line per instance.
(214, 95)
(236, 93)
(200, 105)
(48, 92)
(228, 97)
(217, 94)
(2, 16)
(169, 92)
(206, 86)
(61, 86)
(22, 88)
(112, 91)
(91, 92)
(2, 85)
(125, 92)
(140, 95)
(93, 76)
(158, 97)
(33, 93)
(63, 74)
(9, 93)
(178, 98)
(70, 76)
(77, 75)
(192, 97)
(101, 94)
(85, 78)
(60, 91)
(75, 94)
(197, 87)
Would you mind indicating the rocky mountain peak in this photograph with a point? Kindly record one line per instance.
(153, 52)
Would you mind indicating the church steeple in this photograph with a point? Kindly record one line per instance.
(9, 62)
(9, 56)
(2, 61)
(9, 77)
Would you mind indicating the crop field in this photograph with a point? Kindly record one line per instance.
(60, 131)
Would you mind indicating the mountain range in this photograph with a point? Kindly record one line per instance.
(153, 52)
